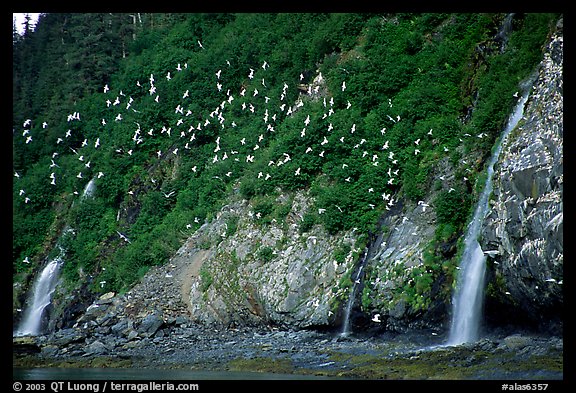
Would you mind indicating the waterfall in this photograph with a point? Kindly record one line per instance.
(504, 32)
(352, 298)
(369, 253)
(89, 189)
(42, 290)
(45, 283)
(469, 293)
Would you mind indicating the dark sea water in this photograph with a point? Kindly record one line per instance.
(57, 374)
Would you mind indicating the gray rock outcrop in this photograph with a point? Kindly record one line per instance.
(523, 233)
(265, 274)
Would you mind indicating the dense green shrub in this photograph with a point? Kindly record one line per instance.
(427, 69)
(265, 254)
(453, 207)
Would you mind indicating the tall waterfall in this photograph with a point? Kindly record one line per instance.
(44, 285)
(469, 293)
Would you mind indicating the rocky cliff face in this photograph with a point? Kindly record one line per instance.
(255, 266)
(245, 268)
(393, 284)
(241, 268)
(523, 233)
(267, 273)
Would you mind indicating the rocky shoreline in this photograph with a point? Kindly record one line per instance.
(181, 345)
(121, 331)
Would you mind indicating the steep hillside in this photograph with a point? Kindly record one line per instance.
(244, 166)
(294, 279)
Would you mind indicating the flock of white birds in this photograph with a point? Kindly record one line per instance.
(251, 99)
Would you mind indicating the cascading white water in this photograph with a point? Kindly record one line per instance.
(45, 284)
(373, 246)
(42, 290)
(89, 189)
(469, 294)
(351, 299)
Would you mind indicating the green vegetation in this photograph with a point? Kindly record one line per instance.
(342, 252)
(262, 364)
(453, 207)
(421, 68)
(378, 362)
(460, 363)
(206, 279)
(265, 254)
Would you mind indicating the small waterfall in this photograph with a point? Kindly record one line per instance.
(369, 253)
(352, 298)
(504, 32)
(42, 290)
(89, 189)
(469, 293)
